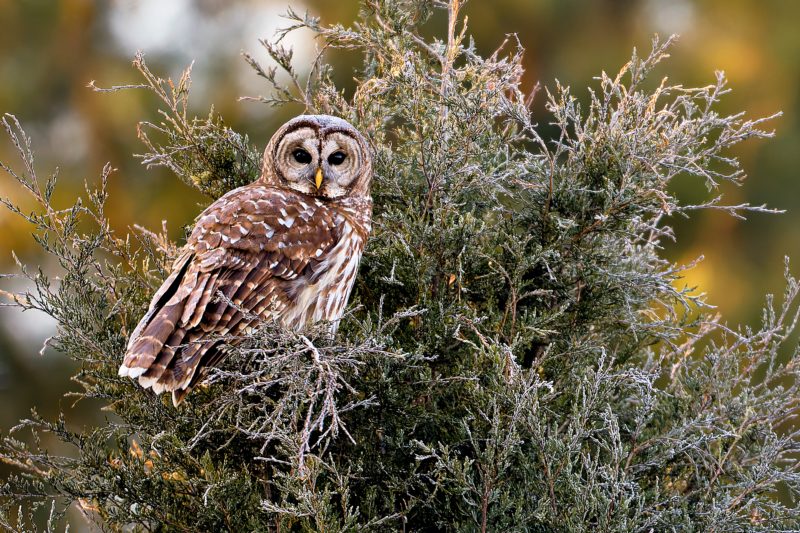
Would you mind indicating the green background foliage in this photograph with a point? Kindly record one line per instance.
(488, 330)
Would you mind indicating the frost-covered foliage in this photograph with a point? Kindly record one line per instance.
(516, 355)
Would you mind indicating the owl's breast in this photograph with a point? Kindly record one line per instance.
(324, 295)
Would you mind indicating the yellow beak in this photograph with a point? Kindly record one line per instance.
(318, 178)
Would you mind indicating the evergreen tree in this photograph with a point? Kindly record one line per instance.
(516, 355)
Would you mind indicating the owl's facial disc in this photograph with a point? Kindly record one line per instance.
(297, 159)
(318, 163)
(340, 163)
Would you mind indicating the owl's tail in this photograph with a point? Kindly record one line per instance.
(176, 307)
(157, 324)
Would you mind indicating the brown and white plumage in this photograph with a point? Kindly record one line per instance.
(283, 248)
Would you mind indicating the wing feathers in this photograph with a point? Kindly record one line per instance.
(200, 309)
(194, 298)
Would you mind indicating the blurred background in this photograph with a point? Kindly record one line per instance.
(51, 49)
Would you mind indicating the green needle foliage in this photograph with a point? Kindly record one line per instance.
(516, 356)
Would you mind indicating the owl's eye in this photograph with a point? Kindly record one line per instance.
(336, 158)
(301, 156)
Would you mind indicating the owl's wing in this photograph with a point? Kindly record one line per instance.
(256, 245)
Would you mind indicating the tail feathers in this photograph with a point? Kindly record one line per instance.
(176, 369)
(154, 374)
(162, 360)
(159, 326)
(179, 395)
(174, 375)
(144, 351)
(208, 356)
(181, 375)
(162, 295)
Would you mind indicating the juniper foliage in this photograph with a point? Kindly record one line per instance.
(516, 355)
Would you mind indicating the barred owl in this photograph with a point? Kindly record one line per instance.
(284, 248)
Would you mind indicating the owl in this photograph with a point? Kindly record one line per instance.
(284, 248)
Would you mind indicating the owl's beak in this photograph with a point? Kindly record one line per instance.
(318, 177)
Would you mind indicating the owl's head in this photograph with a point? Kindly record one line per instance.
(319, 155)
